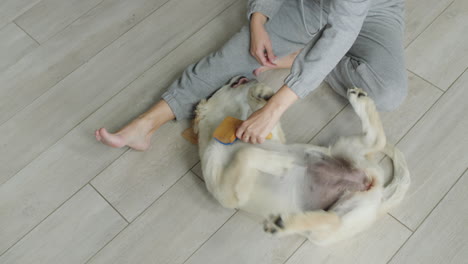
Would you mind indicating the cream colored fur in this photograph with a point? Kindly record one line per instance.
(262, 179)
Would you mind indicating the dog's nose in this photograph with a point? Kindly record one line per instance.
(241, 80)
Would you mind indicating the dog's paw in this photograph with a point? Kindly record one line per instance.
(356, 93)
(262, 92)
(274, 224)
(358, 99)
(259, 95)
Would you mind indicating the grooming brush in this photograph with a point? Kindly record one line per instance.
(225, 133)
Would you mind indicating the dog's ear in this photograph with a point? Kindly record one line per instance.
(195, 123)
(238, 81)
(199, 113)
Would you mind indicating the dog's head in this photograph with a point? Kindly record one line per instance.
(238, 98)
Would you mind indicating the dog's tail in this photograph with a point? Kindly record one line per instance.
(395, 190)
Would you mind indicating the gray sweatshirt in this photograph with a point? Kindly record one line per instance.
(318, 58)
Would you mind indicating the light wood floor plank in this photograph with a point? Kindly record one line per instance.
(436, 153)
(72, 234)
(136, 179)
(421, 96)
(439, 54)
(57, 173)
(41, 69)
(49, 17)
(242, 240)
(60, 109)
(375, 245)
(14, 44)
(443, 237)
(171, 229)
(10, 9)
(418, 16)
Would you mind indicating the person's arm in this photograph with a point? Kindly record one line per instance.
(267, 7)
(256, 128)
(258, 13)
(317, 59)
(311, 66)
(260, 43)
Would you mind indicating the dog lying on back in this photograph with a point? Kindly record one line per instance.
(325, 194)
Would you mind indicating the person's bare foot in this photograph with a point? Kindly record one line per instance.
(259, 70)
(135, 135)
(281, 63)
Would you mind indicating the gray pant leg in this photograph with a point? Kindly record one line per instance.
(375, 63)
(201, 79)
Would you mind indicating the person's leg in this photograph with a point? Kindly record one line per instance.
(137, 134)
(375, 63)
(199, 80)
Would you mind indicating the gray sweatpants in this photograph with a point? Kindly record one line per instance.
(374, 63)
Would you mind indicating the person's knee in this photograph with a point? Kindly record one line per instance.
(386, 85)
(390, 94)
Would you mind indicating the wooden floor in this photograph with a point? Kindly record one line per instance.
(69, 67)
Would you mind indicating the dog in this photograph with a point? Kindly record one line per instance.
(326, 194)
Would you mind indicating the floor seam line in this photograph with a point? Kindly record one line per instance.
(27, 33)
(40, 222)
(427, 81)
(329, 121)
(294, 252)
(440, 200)
(396, 219)
(142, 212)
(429, 214)
(430, 24)
(110, 204)
(428, 109)
(204, 242)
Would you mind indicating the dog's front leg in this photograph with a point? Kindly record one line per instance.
(374, 136)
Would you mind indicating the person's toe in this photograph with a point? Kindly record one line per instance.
(97, 135)
(258, 71)
(110, 139)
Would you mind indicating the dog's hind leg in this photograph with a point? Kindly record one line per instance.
(350, 215)
(320, 222)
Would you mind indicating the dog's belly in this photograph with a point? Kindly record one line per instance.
(316, 181)
(289, 193)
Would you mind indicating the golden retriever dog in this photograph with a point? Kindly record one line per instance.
(324, 193)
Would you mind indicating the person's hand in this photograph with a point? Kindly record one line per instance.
(257, 127)
(260, 43)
